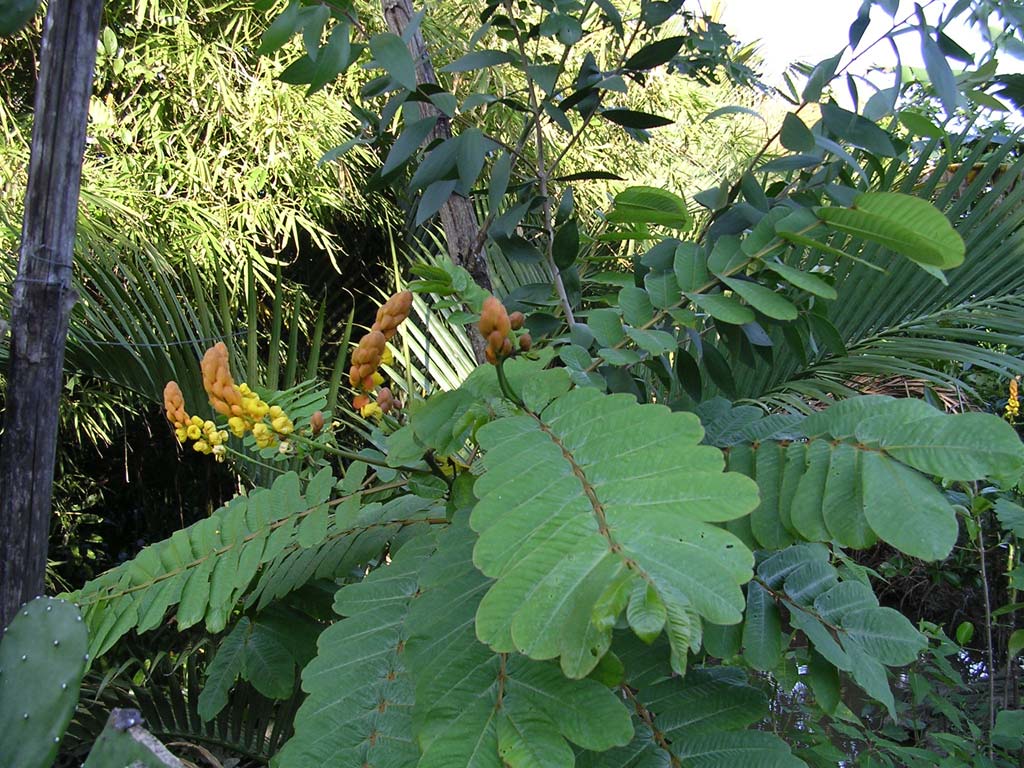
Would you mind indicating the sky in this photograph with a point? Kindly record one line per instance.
(812, 30)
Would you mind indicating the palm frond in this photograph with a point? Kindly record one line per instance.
(903, 321)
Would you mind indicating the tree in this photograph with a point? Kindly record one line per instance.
(42, 297)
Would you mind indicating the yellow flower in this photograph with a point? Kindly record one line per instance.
(275, 412)
(182, 434)
(371, 410)
(264, 437)
(282, 425)
(201, 446)
(378, 380)
(237, 426)
(194, 432)
(387, 358)
(1012, 402)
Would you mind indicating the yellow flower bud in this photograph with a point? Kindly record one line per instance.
(201, 446)
(237, 426)
(182, 434)
(275, 412)
(194, 432)
(196, 422)
(378, 380)
(387, 358)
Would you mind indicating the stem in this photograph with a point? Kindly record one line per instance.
(542, 178)
(344, 454)
(988, 637)
(506, 387)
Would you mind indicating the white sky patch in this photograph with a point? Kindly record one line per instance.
(812, 30)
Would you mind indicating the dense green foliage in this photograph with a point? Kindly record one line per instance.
(667, 525)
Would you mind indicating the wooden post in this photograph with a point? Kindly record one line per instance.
(458, 219)
(42, 297)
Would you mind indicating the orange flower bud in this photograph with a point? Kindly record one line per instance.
(174, 405)
(359, 401)
(217, 380)
(525, 342)
(517, 319)
(393, 313)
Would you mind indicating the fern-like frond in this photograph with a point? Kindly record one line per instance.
(581, 494)
(205, 569)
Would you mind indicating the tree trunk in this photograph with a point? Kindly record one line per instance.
(457, 215)
(42, 297)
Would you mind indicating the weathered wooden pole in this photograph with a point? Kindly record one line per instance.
(458, 219)
(42, 297)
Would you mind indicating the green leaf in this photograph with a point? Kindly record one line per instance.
(939, 72)
(360, 665)
(281, 30)
(765, 522)
(223, 671)
(390, 53)
(762, 630)
(433, 199)
(633, 119)
(726, 256)
(805, 511)
(843, 504)
(636, 305)
(920, 125)
(479, 60)
(614, 494)
(1015, 644)
(885, 634)
(803, 280)
(1011, 516)
(663, 289)
(566, 244)
(500, 174)
(764, 300)
(724, 308)
(655, 54)
(332, 59)
(820, 76)
(906, 224)
(690, 267)
(655, 342)
(906, 510)
(751, 749)
(606, 325)
(857, 130)
(650, 205)
(463, 687)
(646, 612)
(1008, 730)
(962, 446)
(407, 143)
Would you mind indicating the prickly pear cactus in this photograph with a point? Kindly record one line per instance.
(42, 660)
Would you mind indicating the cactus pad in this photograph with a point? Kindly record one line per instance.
(42, 660)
